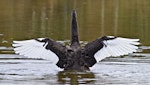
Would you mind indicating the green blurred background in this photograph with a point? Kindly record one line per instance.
(26, 19)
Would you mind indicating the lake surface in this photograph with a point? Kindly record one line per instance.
(128, 70)
(28, 19)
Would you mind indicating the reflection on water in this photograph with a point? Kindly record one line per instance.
(75, 78)
(25, 19)
(17, 70)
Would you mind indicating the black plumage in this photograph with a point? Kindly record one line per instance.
(76, 57)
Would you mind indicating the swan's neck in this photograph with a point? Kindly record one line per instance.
(74, 30)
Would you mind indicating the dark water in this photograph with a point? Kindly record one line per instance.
(26, 19)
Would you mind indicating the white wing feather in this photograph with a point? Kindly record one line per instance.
(117, 47)
(34, 49)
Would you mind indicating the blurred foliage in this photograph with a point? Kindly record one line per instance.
(26, 19)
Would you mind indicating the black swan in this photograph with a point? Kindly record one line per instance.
(76, 57)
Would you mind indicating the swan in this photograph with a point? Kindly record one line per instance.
(75, 56)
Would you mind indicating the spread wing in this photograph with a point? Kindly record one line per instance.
(43, 48)
(108, 46)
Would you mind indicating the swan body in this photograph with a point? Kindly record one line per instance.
(76, 57)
